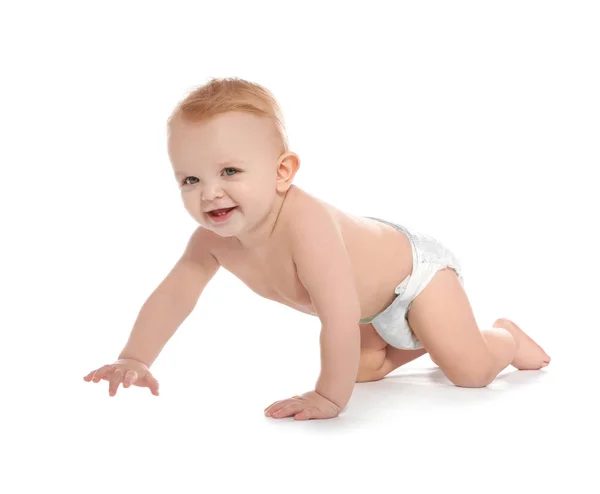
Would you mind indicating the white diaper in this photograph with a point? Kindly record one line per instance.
(429, 257)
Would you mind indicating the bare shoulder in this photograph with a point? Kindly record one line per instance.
(311, 221)
(305, 210)
(201, 247)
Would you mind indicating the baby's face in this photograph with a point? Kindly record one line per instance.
(230, 160)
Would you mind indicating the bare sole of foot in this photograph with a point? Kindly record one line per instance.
(530, 356)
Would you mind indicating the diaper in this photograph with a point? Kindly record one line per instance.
(429, 256)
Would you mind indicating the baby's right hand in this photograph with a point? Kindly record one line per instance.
(126, 371)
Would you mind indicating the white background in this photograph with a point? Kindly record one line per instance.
(476, 122)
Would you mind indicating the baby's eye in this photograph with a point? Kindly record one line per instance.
(185, 182)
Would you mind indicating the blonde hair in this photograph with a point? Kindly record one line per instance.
(231, 94)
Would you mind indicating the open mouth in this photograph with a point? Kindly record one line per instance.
(221, 214)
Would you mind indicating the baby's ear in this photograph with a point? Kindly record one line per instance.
(288, 165)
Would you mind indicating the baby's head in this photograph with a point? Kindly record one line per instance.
(228, 147)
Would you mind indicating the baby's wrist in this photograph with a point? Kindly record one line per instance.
(126, 357)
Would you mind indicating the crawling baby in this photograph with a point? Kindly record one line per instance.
(385, 295)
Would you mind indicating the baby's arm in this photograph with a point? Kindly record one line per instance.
(324, 268)
(172, 301)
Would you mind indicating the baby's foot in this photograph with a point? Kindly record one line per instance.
(530, 355)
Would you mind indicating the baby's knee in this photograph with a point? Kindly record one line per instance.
(369, 376)
(472, 375)
(370, 364)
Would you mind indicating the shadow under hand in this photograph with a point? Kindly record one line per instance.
(415, 393)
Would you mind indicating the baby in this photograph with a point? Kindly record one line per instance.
(384, 295)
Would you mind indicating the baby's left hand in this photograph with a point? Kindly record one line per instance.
(306, 406)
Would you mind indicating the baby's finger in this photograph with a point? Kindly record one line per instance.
(306, 414)
(115, 380)
(130, 378)
(101, 372)
(88, 378)
(152, 384)
(278, 405)
(290, 409)
(272, 404)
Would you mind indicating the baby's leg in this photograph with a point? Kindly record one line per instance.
(443, 321)
(395, 357)
(375, 365)
(529, 356)
(377, 358)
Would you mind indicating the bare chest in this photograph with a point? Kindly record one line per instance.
(273, 277)
(381, 258)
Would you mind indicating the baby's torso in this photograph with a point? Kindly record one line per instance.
(380, 255)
